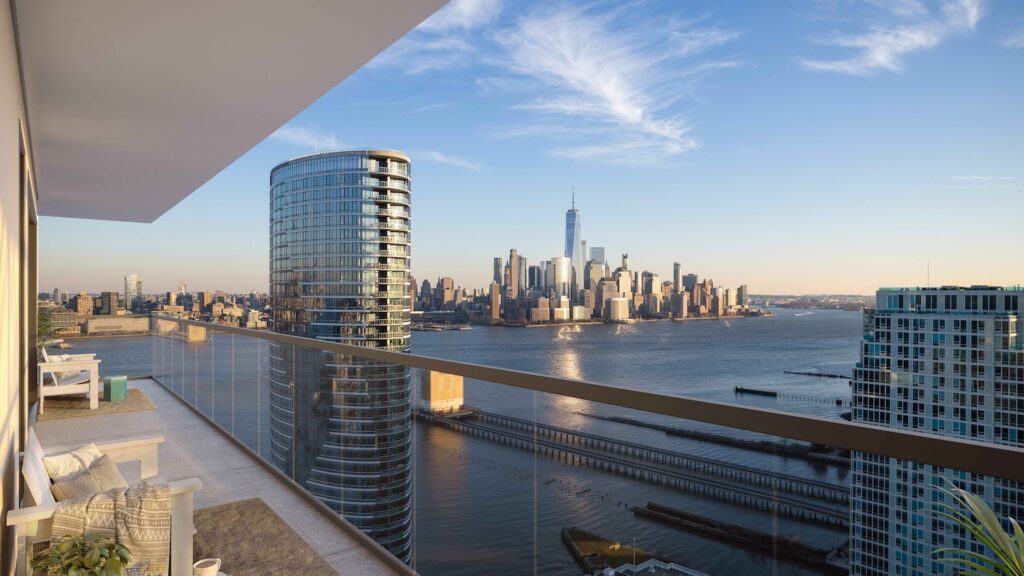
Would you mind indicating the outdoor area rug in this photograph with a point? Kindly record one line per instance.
(250, 539)
(60, 407)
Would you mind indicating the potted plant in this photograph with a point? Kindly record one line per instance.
(1007, 550)
(85, 555)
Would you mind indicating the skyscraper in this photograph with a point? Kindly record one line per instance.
(561, 277)
(677, 277)
(133, 301)
(573, 247)
(499, 270)
(341, 425)
(597, 253)
(514, 269)
(937, 361)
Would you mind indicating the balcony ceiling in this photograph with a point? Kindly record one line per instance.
(134, 105)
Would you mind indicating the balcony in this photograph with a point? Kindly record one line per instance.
(195, 448)
(707, 486)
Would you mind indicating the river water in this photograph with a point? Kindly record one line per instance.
(483, 508)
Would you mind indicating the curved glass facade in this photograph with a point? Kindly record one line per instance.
(339, 266)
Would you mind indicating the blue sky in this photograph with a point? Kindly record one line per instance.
(795, 146)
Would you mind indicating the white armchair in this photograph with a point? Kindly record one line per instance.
(33, 521)
(72, 374)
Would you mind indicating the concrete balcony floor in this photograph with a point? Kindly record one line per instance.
(193, 448)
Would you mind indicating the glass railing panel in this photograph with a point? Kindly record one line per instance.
(460, 476)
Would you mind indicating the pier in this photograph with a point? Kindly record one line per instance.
(795, 497)
(818, 374)
(828, 561)
(786, 396)
(802, 451)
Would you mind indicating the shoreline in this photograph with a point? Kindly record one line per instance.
(632, 322)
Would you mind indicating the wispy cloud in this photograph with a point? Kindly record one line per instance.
(910, 27)
(617, 81)
(434, 156)
(462, 15)
(1014, 41)
(443, 41)
(984, 178)
(985, 182)
(307, 138)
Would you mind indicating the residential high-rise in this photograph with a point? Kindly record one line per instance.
(341, 425)
(495, 301)
(597, 253)
(742, 298)
(56, 295)
(677, 277)
(937, 361)
(133, 300)
(573, 247)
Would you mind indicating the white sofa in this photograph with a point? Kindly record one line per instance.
(33, 520)
(77, 374)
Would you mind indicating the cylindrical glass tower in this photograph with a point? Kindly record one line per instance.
(339, 266)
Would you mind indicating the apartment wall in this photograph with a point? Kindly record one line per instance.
(10, 276)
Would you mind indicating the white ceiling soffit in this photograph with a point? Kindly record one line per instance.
(134, 104)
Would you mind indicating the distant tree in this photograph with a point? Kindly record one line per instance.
(44, 325)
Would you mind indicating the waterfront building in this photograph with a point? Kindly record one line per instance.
(560, 313)
(677, 278)
(652, 303)
(730, 302)
(440, 392)
(541, 312)
(133, 299)
(742, 297)
(573, 247)
(109, 303)
(499, 270)
(597, 253)
(341, 276)
(618, 309)
(937, 361)
(444, 293)
(495, 301)
(56, 296)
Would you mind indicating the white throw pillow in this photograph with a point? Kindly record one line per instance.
(61, 466)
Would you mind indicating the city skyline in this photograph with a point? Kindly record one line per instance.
(781, 190)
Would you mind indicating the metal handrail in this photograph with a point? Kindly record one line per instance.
(985, 458)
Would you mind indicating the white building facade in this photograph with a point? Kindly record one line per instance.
(944, 361)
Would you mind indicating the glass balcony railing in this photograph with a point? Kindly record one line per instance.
(459, 468)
